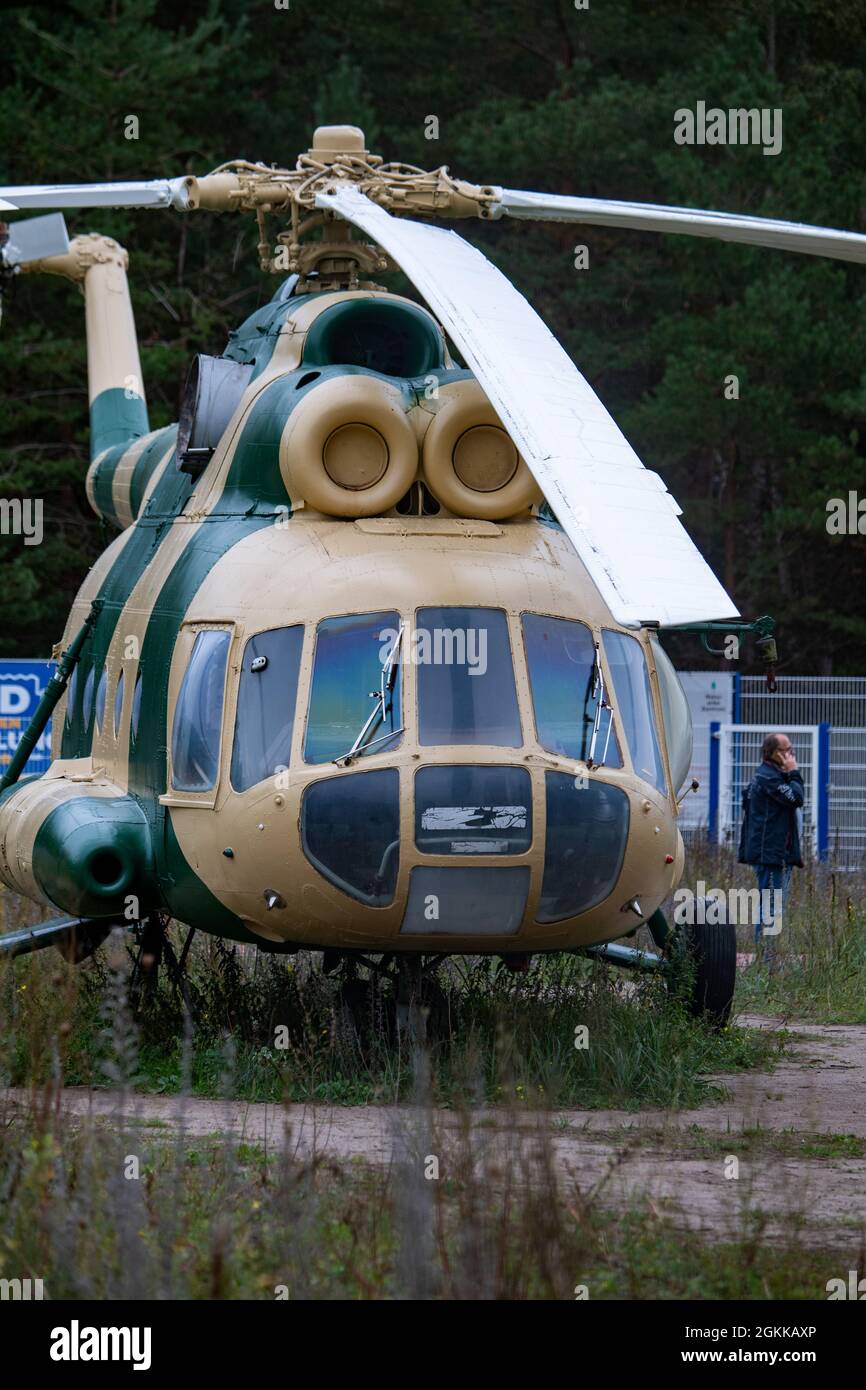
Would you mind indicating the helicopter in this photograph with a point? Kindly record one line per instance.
(372, 666)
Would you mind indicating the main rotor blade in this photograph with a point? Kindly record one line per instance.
(156, 193)
(654, 217)
(618, 515)
(34, 239)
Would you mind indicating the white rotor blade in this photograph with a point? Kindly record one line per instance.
(653, 217)
(7, 207)
(35, 239)
(155, 193)
(618, 515)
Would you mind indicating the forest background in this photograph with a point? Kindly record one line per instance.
(548, 96)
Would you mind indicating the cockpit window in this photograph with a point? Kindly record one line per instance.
(466, 691)
(676, 714)
(634, 704)
(473, 810)
(195, 735)
(266, 705)
(350, 831)
(587, 834)
(118, 704)
(567, 690)
(347, 685)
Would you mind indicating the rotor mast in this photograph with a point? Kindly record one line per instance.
(338, 156)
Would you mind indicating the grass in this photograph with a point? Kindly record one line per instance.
(821, 950)
(267, 1027)
(694, 1141)
(114, 1209)
(272, 1022)
(107, 1211)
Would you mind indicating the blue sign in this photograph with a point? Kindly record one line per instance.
(22, 685)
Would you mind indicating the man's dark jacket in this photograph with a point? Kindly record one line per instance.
(771, 833)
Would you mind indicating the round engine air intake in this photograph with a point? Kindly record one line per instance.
(348, 448)
(470, 462)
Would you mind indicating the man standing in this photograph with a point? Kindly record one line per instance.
(770, 836)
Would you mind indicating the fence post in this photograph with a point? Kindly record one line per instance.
(822, 775)
(713, 816)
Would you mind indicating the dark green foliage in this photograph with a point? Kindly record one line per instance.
(546, 97)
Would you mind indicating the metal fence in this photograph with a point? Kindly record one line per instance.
(739, 753)
(839, 701)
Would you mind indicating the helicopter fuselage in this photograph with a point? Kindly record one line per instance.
(319, 707)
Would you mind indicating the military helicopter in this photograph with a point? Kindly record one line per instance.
(372, 666)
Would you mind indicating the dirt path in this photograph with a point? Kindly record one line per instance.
(681, 1160)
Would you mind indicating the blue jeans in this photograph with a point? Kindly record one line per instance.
(771, 880)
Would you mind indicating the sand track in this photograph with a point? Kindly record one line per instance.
(677, 1159)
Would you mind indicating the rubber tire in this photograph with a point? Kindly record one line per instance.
(711, 949)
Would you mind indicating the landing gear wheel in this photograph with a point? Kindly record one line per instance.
(704, 967)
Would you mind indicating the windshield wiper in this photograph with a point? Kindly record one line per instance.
(384, 705)
(597, 694)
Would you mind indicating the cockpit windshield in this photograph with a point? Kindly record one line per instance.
(572, 707)
(634, 703)
(466, 691)
(349, 675)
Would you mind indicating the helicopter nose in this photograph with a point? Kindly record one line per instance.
(476, 837)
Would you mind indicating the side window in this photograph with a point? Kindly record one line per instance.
(266, 705)
(345, 694)
(136, 705)
(587, 834)
(632, 699)
(71, 691)
(195, 735)
(87, 698)
(676, 714)
(564, 679)
(118, 703)
(100, 698)
(466, 691)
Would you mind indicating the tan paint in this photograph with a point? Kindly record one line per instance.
(26, 810)
(100, 264)
(315, 449)
(372, 566)
(122, 479)
(90, 480)
(465, 440)
(313, 567)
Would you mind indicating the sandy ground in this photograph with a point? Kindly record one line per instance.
(604, 1155)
